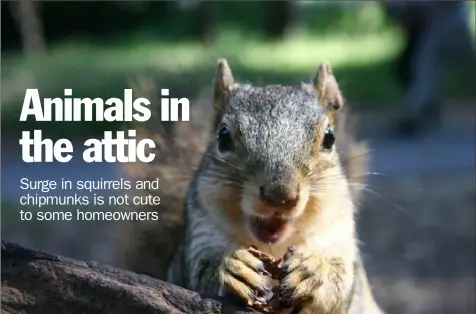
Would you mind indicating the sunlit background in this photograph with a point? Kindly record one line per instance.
(417, 223)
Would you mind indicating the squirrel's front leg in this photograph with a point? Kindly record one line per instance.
(203, 277)
(315, 283)
(243, 274)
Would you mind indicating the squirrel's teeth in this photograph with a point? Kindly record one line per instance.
(275, 217)
(272, 224)
(268, 230)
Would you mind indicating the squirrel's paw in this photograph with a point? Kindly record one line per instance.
(312, 283)
(243, 274)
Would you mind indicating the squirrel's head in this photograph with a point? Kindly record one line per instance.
(272, 161)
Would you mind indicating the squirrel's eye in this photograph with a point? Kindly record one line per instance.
(224, 139)
(329, 138)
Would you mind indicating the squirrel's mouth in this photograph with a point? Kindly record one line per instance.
(268, 230)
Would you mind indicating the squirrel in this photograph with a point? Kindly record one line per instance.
(269, 175)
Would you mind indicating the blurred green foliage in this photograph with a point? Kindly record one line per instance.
(354, 36)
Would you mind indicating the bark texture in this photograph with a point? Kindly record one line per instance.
(37, 282)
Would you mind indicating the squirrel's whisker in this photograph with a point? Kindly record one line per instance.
(321, 191)
(225, 162)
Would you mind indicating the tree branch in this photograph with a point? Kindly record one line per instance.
(37, 282)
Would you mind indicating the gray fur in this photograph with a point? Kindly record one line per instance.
(261, 120)
(273, 129)
(264, 119)
(195, 265)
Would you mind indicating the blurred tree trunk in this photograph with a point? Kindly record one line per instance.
(205, 23)
(26, 14)
(279, 18)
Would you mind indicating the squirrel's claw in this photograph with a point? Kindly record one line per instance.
(243, 274)
(311, 279)
(301, 276)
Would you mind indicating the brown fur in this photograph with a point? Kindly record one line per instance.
(321, 275)
(148, 247)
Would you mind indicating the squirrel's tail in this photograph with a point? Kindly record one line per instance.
(148, 246)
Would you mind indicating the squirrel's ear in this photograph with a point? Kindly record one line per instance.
(223, 85)
(327, 88)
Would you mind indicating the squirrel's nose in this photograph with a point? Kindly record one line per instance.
(279, 196)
